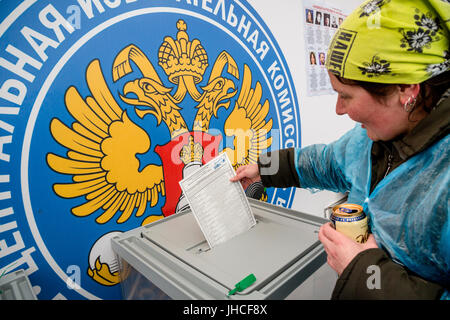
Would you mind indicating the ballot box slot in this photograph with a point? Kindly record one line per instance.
(199, 248)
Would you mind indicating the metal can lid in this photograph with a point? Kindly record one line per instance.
(347, 210)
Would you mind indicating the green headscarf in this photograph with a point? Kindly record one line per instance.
(393, 41)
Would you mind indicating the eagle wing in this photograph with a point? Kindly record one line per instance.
(247, 124)
(102, 146)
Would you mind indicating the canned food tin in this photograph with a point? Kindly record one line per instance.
(350, 219)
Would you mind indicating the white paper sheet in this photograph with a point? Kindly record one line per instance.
(219, 206)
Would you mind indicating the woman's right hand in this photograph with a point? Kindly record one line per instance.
(247, 175)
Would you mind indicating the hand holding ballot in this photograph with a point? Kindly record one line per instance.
(247, 175)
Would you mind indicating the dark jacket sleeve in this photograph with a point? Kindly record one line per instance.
(373, 275)
(277, 169)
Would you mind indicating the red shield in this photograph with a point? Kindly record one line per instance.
(173, 166)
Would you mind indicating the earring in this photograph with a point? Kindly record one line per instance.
(410, 104)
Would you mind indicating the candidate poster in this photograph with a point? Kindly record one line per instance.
(321, 22)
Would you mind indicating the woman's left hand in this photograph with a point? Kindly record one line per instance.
(341, 250)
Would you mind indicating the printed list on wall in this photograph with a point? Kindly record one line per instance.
(321, 22)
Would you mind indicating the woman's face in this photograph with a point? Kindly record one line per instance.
(383, 119)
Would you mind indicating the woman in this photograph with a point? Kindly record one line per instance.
(312, 58)
(394, 162)
(318, 17)
(309, 16)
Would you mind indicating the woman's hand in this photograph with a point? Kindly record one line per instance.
(247, 175)
(341, 250)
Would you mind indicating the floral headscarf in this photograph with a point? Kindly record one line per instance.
(393, 41)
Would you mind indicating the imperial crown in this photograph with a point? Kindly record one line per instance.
(192, 152)
(182, 57)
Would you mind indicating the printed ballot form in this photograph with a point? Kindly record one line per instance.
(219, 206)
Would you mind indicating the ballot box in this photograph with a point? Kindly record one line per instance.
(170, 258)
(16, 286)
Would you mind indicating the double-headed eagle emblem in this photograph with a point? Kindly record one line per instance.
(103, 142)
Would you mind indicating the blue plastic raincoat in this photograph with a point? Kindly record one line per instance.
(408, 209)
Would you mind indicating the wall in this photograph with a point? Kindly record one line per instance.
(319, 122)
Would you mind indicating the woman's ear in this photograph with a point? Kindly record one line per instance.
(408, 91)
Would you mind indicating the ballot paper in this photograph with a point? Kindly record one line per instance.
(219, 206)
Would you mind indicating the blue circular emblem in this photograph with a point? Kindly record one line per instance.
(106, 105)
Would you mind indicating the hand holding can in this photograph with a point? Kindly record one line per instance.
(350, 219)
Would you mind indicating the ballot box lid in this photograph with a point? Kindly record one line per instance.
(281, 240)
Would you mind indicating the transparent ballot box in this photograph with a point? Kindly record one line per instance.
(16, 286)
(170, 258)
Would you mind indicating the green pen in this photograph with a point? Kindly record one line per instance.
(243, 284)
